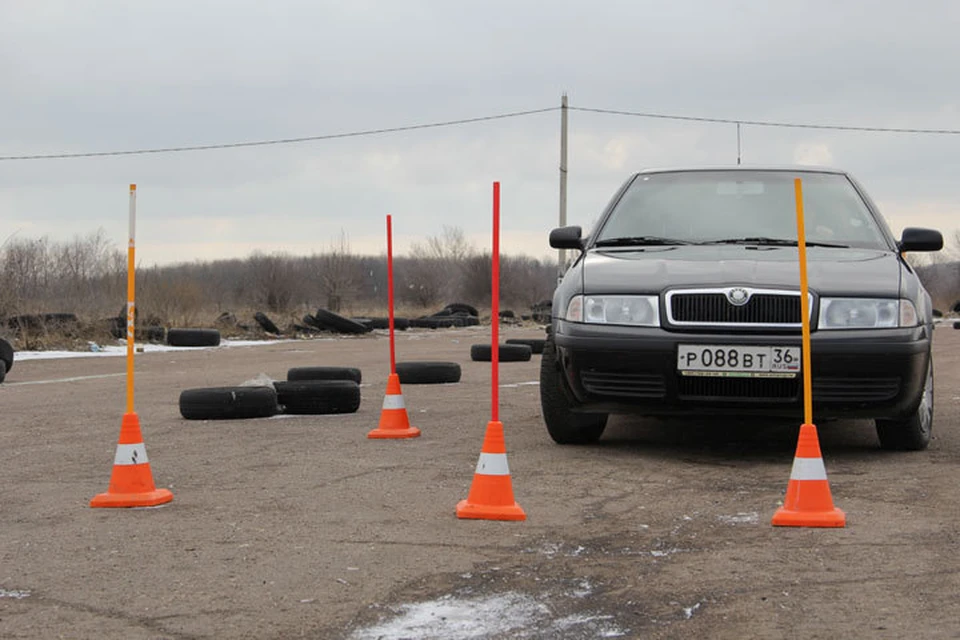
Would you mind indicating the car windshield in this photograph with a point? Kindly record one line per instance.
(741, 207)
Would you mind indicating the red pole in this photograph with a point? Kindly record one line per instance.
(393, 360)
(495, 307)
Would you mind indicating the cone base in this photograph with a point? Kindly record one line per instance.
(409, 432)
(788, 518)
(490, 512)
(144, 499)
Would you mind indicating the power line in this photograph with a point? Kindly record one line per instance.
(501, 116)
(263, 143)
(767, 123)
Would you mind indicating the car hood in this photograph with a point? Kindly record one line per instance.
(830, 271)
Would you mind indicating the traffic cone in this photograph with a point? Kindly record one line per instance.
(491, 495)
(394, 422)
(131, 484)
(808, 502)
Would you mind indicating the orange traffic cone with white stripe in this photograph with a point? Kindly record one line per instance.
(131, 484)
(491, 495)
(808, 502)
(394, 422)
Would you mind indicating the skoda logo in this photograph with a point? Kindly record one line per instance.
(738, 296)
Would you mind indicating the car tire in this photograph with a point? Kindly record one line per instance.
(535, 344)
(228, 403)
(6, 354)
(912, 433)
(563, 425)
(3, 370)
(508, 352)
(300, 374)
(428, 372)
(193, 337)
(460, 307)
(338, 323)
(318, 397)
(266, 323)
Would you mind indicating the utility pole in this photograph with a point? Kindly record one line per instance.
(562, 260)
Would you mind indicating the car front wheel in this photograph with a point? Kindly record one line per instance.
(913, 433)
(563, 425)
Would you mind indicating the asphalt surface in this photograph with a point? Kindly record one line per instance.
(300, 526)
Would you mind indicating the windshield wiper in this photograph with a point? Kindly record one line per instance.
(637, 241)
(775, 242)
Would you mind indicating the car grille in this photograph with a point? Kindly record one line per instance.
(629, 385)
(713, 308)
(738, 389)
(855, 389)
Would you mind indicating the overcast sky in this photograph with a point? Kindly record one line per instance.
(105, 75)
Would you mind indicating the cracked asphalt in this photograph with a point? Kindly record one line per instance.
(299, 526)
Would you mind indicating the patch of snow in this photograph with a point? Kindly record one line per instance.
(689, 611)
(741, 518)
(121, 350)
(16, 594)
(459, 619)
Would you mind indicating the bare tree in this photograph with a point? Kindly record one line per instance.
(339, 272)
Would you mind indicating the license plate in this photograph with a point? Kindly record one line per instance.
(738, 361)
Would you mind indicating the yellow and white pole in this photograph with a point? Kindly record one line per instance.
(131, 289)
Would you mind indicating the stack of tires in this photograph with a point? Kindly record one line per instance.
(306, 391)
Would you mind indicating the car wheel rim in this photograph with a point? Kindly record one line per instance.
(926, 402)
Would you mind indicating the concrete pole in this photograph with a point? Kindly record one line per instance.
(562, 259)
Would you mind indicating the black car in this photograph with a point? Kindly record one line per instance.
(685, 300)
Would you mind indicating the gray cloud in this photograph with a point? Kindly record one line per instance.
(119, 75)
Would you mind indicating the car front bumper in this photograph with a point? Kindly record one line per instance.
(855, 373)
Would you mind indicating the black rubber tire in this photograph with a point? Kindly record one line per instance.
(151, 334)
(324, 373)
(318, 397)
(193, 337)
(228, 403)
(507, 313)
(3, 370)
(956, 324)
(913, 433)
(399, 324)
(508, 353)
(428, 372)
(338, 323)
(266, 323)
(6, 354)
(456, 307)
(535, 344)
(563, 425)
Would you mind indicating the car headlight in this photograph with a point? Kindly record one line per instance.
(866, 313)
(640, 311)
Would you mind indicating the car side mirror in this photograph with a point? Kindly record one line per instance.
(566, 238)
(919, 239)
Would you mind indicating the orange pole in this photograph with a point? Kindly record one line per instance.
(804, 306)
(131, 305)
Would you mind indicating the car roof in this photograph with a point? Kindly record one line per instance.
(781, 168)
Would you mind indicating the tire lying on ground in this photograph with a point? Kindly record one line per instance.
(460, 307)
(400, 324)
(507, 352)
(318, 397)
(193, 337)
(329, 319)
(324, 373)
(6, 354)
(535, 344)
(266, 323)
(428, 372)
(3, 370)
(228, 403)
